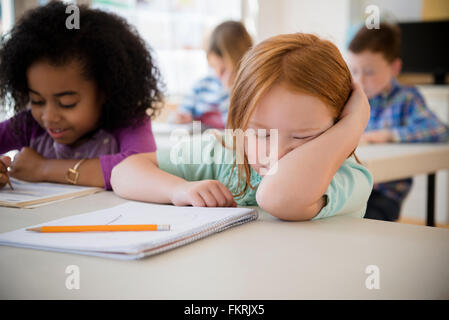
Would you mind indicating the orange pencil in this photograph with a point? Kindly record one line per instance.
(96, 228)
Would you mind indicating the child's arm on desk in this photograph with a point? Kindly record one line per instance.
(295, 191)
(29, 165)
(138, 177)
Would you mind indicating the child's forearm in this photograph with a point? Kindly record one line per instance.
(90, 174)
(139, 178)
(295, 191)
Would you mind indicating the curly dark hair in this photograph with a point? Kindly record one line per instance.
(112, 53)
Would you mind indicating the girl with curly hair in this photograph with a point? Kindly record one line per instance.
(80, 96)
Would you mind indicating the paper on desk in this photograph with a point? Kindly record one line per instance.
(31, 194)
(187, 224)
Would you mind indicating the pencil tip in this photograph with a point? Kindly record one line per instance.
(34, 229)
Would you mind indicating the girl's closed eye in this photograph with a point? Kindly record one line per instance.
(37, 102)
(310, 136)
(36, 99)
(67, 106)
(68, 101)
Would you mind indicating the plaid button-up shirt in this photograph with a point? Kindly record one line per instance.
(402, 110)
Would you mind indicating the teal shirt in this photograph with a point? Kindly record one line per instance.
(204, 158)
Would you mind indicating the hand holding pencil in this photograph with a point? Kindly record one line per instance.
(5, 162)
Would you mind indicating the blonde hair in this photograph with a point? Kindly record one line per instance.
(303, 63)
(230, 40)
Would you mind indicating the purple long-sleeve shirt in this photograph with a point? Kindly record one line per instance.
(111, 147)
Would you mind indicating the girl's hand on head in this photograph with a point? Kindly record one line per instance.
(183, 117)
(206, 193)
(28, 165)
(357, 105)
(5, 162)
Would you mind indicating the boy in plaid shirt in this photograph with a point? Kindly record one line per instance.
(398, 113)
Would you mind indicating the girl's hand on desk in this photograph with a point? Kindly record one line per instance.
(28, 165)
(206, 193)
(5, 162)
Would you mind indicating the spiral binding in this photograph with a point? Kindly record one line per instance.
(189, 237)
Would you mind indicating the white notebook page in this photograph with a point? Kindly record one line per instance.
(184, 222)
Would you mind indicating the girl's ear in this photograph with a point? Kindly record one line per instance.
(396, 67)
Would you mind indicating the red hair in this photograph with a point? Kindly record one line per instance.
(303, 63)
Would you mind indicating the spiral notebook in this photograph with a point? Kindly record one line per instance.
(187, 224)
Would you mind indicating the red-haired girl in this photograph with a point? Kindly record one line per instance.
(296, 88)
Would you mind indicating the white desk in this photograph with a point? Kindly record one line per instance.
(264, 259)
(389, 162)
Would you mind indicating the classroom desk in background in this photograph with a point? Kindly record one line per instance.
(334, 258)
(393, 161)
